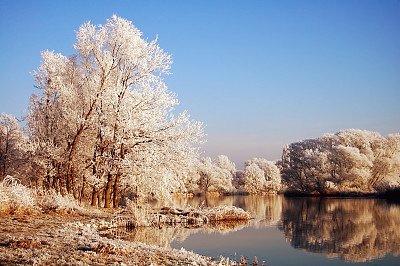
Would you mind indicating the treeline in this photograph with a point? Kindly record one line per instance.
(350, 161)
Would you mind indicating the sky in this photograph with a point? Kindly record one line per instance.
(258, 74)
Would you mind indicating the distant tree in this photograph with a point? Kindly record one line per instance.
(213, 178)
(253, 178)
(206, 174)
(350, 160)
(238, 182)
(223, 162)
(304, 166)
(386, 165)
(261, 176)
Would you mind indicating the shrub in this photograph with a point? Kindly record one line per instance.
(54, 202)
(16, 198)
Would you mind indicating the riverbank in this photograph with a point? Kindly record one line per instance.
(74, 239)
(46, 228)
(390, 194)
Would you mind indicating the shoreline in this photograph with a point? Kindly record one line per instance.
(76, 238)
(390, 195)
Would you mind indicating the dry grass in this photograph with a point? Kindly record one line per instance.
(53, 202)
(145, 216)
(46, 238)
(16, 198)
(53, 239)
(226, 213)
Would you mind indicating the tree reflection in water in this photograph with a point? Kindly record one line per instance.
(163, 236)
(266, 210)
(355, 230)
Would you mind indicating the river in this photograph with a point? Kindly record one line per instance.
(292, 231)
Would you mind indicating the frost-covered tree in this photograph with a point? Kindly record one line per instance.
(261, 176)
(308, 162)
(350, 160)
(104, 117)
(213, 178)
(253, 178)
(14, 147)
(223, 162)
(386, 165)
(378, 154)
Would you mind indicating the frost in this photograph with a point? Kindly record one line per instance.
(350, 161)
(16, 198)
(104, 123)
(48, 240)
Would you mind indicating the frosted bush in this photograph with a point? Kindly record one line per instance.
(226, 213)
(17, 198)
(14, 197)
(52, 202)
(140, 214)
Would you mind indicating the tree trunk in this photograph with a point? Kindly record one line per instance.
(53, 185)
(137, 193)
(75, 190)
(117, 179)
(82, 194)
(68, 178)
(95, 193)
(116, 191)
(62, 184)
(99, 197)
(74, 143)
(47, 186)
(107, 194)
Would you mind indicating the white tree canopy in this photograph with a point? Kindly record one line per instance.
(105, 113)
(349, 161)
(261, 176)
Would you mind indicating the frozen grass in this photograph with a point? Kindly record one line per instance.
(203, 215)
(139, 253)
(137, 216)
(18, 199)
(49, 239)
(79, 243)
(226, 213)
(53, 202)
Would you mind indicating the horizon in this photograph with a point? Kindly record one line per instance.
(259, 75)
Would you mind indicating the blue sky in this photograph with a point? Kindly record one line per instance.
(259, 74)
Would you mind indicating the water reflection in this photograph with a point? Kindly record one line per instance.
(266, 210)
(355, 230)
(163, 236)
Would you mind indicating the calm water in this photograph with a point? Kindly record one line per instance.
(293, 231)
